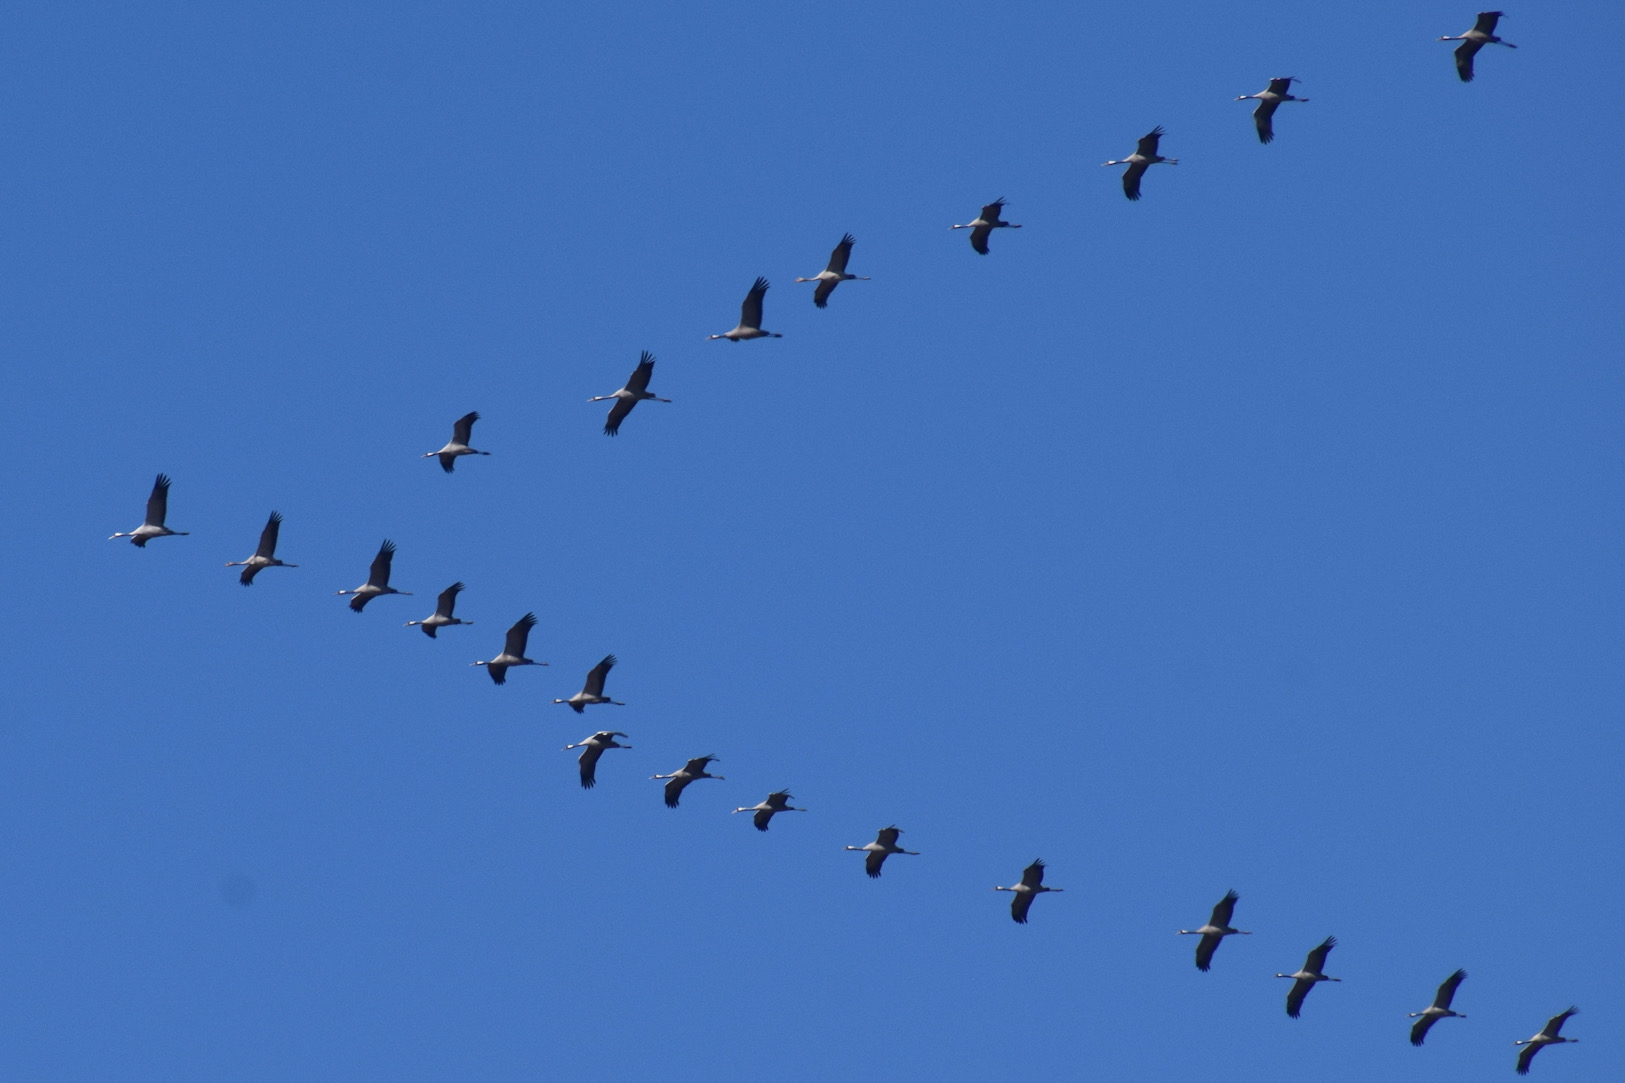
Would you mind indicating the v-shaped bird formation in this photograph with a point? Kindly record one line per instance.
(516, 642)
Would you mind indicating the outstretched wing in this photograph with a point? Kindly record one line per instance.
(888, 836)
(1033, 875)
(991, 212)
(1263, 122)
(1148, 142)
(1019, 906)
(378, 576)
(589, 765)
(1487, 20)
(1419, 1030)
(1131, 179)
(1525, 1057)
(842, 253)
(462, 430)
(1464, 59)
(638, 382)
(750, 313)
(1447, 991)
(267, 547)
(762, 819)
(674, 790)
(979, 236)
(596, 675)
(519, 635)
(1554, 1025)
(1224, 910)
(1281, 84)
(1316, 963)
(617, 414)
(872, 863)
(158, 502)
(1295, 995)
(446, 602)
(1205, 949)
(821, 292)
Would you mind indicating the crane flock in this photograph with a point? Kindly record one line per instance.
(635, 390)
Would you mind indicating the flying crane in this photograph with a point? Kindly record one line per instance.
(593, 691)
(750, 316)
(884, 846)
(153, 525)
(635, 391)
(264, 556)
(1031, 886)
(834, 274)
(985, 223)
(679, 779)
(377, 579)
(441, 617)
(778, 801)
(462, 431)
(1269, 100)
(513, 650)
(593, 747)
(1144, 157)
(1304, 980)
(1217, 928)
(1482, 34)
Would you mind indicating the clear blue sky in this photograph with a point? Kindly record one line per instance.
(1264, 534)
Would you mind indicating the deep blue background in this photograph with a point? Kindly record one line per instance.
(1263, 534)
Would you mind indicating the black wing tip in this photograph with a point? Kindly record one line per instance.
(875, 875)
(760, 284)
(1204, 967)
(847, 238)
(162, 481)
(1158, 131)
(821, 304)
(528, 620)
(646, 358)
(387, 547)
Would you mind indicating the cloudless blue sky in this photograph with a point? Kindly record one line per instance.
(1264, 534)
